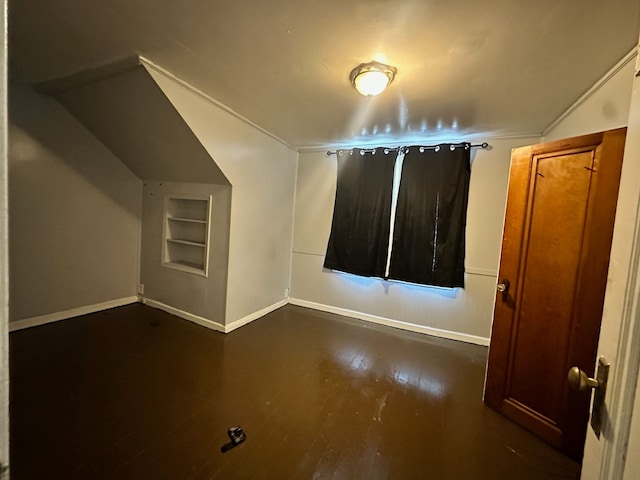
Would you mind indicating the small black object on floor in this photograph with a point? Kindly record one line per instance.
(237, 436)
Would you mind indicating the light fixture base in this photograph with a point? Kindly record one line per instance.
(371, 78)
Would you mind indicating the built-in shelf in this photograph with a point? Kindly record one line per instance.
(185, 243)
(189, 220)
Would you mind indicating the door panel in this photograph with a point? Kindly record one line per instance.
(549, 273)
(557, 235)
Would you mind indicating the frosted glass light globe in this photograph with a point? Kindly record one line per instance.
(371, 83)
(372, 78)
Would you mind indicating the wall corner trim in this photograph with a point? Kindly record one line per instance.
(597, 86)
(412, 327)
(483, 272)
(145, 62)
(203, 322)
(254, 316)
(88, 76)
(66, 314)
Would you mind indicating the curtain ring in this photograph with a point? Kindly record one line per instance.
(452, 147)
(437, 149)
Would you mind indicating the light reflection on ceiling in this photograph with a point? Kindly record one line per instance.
(496, 76)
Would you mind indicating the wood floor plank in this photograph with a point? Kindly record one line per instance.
(134, 393)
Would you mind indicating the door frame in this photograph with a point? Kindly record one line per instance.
(604, 459)
(622, 387)
(4, 255)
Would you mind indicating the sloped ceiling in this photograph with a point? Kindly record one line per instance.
(465, 67)
(125, 109)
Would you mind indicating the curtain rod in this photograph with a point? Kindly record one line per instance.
(405, 149)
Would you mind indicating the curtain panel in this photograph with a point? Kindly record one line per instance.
(359, 239)
(430, 221)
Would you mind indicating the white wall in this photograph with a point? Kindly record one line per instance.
(620, 331)
(464, 314)
(75, 213)
(197, 295)
(262, 172)
(455, 313)
(604, 107)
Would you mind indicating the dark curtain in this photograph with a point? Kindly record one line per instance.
(429, 232)
(359, 237)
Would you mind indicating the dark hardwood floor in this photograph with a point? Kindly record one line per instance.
(135, 393)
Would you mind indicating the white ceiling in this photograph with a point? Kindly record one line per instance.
(465, 68)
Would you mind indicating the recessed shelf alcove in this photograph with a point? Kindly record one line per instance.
(185, 243)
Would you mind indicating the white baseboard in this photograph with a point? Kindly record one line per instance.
(75, 312)
(435, 332)
(254, 316)
(205, 322)
(66, 314)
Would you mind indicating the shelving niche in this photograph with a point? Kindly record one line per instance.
(185, 244)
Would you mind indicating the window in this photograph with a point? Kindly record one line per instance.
(428, 240)
(359, 239)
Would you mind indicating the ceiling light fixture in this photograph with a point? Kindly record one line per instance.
(370, 79)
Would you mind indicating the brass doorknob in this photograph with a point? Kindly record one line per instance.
(503, 288)
(578, 380)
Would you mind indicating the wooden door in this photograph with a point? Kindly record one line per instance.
(555, 255)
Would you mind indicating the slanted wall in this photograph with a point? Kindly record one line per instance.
(74, 228)
(178, 140)
(125, 109)
(262, 171)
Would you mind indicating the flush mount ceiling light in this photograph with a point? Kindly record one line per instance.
(372, 78)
